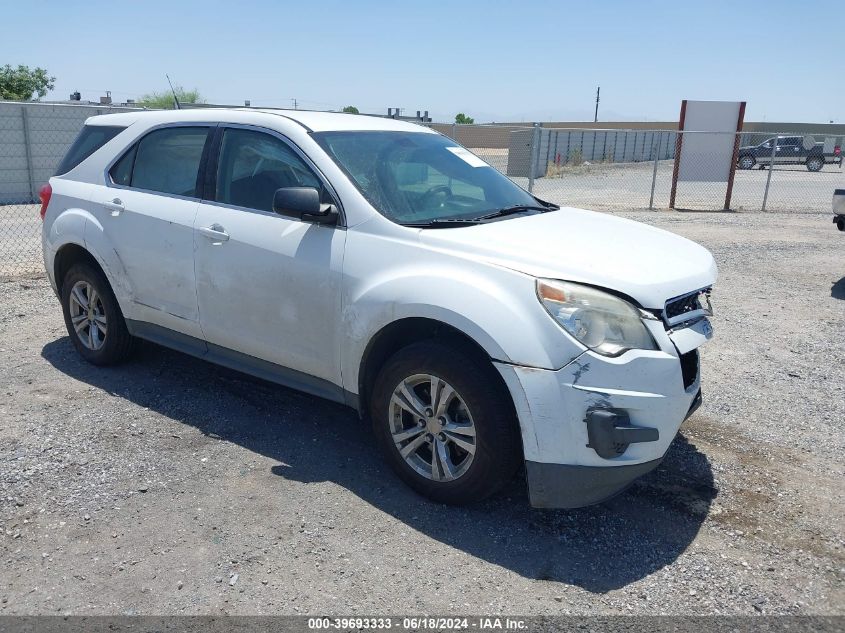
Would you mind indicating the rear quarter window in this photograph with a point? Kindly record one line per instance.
(90, 139)
(121, 173)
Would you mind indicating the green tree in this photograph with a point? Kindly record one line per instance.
(351, 110)
(164, 100)
(460, 117)
(24, 83)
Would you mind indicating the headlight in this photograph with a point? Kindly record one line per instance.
(604, 323)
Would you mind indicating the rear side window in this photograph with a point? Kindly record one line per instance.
(90, 139)
(165, 160)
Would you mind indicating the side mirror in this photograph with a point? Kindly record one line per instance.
(303, 203)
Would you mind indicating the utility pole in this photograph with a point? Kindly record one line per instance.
(596, 118)
(294, 103)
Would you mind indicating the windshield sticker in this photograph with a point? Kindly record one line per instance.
(468, 157)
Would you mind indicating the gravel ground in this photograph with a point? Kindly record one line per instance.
(169, 486)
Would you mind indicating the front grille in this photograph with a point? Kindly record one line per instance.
(677, 309)
(689, 367)
(682, 306)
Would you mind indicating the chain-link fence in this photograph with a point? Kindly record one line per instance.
(634, 169)
(33, 139)
(603, 169)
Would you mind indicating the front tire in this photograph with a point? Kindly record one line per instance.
(93, 317)
(445, 423)
(814, 164)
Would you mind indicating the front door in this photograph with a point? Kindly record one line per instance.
(267, 286)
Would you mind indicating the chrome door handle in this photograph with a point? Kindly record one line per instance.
(215, 233)
(115, 206)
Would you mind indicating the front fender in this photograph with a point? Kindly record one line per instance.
(495, 307)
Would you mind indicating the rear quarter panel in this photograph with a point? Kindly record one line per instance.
(70, 220)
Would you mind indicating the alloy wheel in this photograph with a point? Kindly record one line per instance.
(432, 428)
(87, 315)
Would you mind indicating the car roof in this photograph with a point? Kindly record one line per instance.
(312, 121)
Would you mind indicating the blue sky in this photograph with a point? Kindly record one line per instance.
(526, 60)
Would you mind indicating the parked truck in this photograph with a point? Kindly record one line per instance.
(790, 150)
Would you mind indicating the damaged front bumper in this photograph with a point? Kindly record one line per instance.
(594, 426)
(568, 486)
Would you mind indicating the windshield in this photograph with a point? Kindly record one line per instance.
(421, 178)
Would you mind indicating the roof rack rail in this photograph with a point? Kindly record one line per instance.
(200, 106)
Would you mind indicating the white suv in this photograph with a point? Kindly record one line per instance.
(379, 264)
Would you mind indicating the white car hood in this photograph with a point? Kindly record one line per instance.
(648, 264)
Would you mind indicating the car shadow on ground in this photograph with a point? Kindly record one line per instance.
(837, 290)
(599, 548)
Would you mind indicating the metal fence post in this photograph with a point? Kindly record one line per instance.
(771, 168)
(535, 150)
(28, 149)
(654, 171)
(455, 132)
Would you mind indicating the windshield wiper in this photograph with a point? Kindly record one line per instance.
(443, 223)
(517, 208)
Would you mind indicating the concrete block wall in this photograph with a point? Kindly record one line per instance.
(33, 139)
(561, 146)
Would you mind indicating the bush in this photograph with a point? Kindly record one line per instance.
(164, 100)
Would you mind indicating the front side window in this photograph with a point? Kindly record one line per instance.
(253, 165)
(418, 177)
(165, 160)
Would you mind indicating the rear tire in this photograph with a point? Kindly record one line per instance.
(462, 445)
(93, 317)
(814, 163)
(746, 162)
(840, 222)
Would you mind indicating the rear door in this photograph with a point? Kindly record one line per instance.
(268, 286)
(147, 209)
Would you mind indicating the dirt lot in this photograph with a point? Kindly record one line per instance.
(169, 486)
